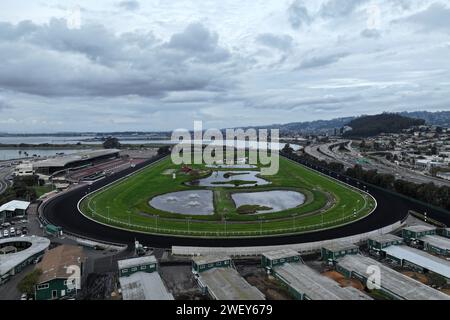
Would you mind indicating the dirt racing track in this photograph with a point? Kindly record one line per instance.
(62, 211)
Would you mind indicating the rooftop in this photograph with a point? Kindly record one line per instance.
(75, 157)
(144, 286)
(316, 286)
(420, 258)
(437, 241)
(227, 284)
(134, 262)
(55, 262)
(384, 238)
(199, 260)
(391, 280)
(11, 260)
(419, 228)
(340, 246)
(14, 205)
(280, 254)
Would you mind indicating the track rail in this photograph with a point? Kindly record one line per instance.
(62, 210)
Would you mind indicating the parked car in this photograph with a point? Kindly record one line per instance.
(5, 233)
(18, 232)
(6, 224)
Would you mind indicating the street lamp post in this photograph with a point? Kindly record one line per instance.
(129, 217)
(109, 217)
(293, 220)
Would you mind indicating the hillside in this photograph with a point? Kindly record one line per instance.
(383, 123)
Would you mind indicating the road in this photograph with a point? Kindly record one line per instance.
(5, 172)
(330, 152)
(62, 211)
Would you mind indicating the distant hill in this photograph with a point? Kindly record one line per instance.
(382, 123)
(440, 118)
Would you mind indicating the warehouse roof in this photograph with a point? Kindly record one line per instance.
(75, 157)
(305, 280)
(391, 280)
(340, 246)
(280, 254)
(420, 258)
(419, 228)
(10, 261)
(144, 286)
(55, 262)
(134, 262)
(437, 241)
(15, 205)
(384, 238)
(199, 260)
(227, 284)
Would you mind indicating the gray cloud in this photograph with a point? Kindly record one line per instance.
(131, 5)
(321, 60)
(198, 41)
(371, 33)
(435, 18)
(339, 8)
(65, 62)
(280, 42)
(298, 14)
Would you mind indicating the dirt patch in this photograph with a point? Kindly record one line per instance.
(343, 281)
(446, 291)
(417, 276)
(269, 286)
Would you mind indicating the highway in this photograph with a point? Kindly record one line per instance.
(62, 211)
(5, 172)
(330, 152)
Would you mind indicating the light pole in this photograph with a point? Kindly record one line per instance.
(343, 207)
(109, 217)
(129, 217)
(225, 221)
(188, 223)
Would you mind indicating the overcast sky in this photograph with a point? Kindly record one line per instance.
(159, 65)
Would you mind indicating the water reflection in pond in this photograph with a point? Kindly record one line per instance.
(278, 200)
(226, 179)
(193, 202)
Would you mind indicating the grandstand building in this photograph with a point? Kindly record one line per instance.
(52, 165)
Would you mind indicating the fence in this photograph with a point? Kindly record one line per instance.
(303, 248)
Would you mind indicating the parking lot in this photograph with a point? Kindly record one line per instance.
(14, 228)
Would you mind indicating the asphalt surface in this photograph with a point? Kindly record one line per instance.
(62, 211)
(4, 182)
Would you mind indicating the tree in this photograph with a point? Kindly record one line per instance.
(111, 143)
(287, 149)
(164, 150)
(28, 283)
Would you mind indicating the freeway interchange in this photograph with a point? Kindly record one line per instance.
(331, 152)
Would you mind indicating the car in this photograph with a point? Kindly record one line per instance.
(12, 233)
(24, 296)
(6, 224)
(12, 229)
(18, 232)
(5, 233)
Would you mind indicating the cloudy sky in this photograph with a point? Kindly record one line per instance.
(159, 65)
